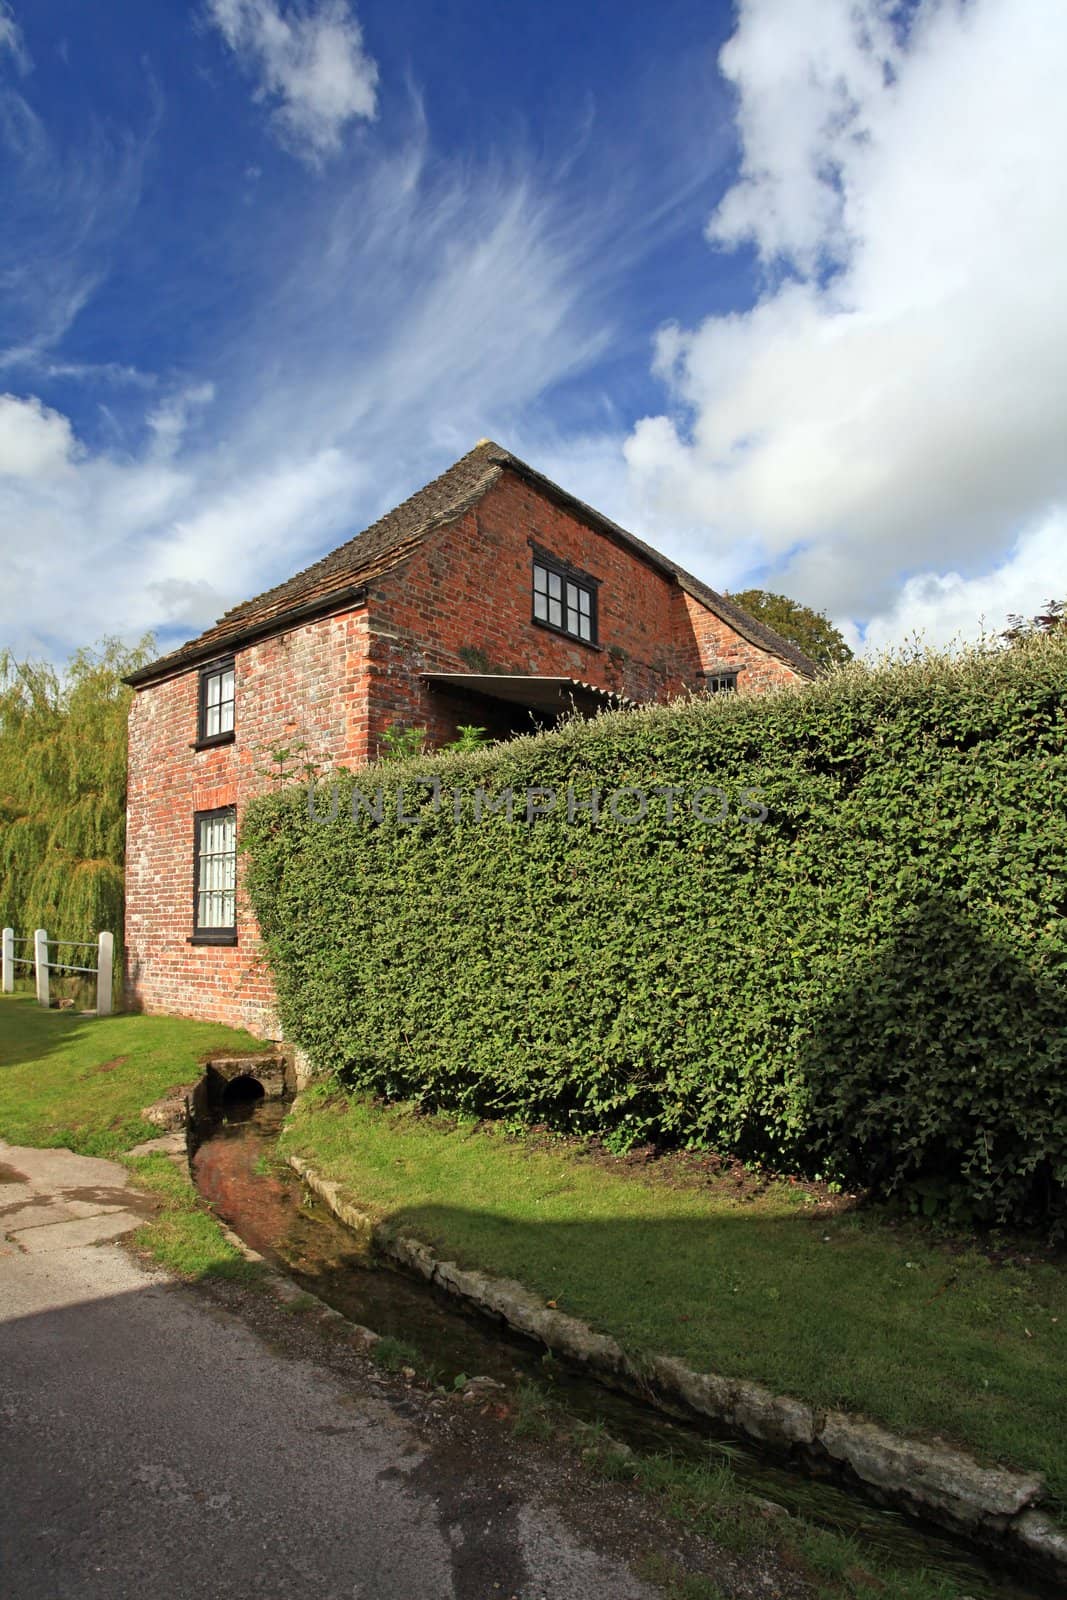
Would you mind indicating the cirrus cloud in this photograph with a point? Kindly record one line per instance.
(11, 37)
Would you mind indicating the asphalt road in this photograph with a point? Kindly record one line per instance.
(154, 1445)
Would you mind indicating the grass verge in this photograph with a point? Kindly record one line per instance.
(922, 1332)
(80, 1083)
(183, 1235)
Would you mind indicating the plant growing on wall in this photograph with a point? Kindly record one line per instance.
(398, 742)
(291, 763)
(469, 737)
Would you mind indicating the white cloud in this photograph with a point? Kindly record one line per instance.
(11, 38)
(944, 607)
(375, 341)
(35, 442)
(310, 61)
(232, 528)
(892, 406)
(168, 422)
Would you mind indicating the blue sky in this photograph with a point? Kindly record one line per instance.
(778, 286)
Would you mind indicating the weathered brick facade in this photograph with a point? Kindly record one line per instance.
(451, 594)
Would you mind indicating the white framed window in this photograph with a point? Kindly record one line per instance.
(216, 718)
(215, 876)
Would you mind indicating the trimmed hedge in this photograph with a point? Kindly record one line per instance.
(869, 985)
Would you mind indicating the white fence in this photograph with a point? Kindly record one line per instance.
(43, 963)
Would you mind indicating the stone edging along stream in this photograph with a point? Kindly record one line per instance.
(989, 1504)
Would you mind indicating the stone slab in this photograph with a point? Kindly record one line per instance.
(72, 1235)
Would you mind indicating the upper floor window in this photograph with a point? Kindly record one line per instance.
(561, 600)
(215, 876)
(215, 723)
(721, 682)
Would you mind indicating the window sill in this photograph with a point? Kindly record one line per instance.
(571, 638)
(221, 937)
(212, 744)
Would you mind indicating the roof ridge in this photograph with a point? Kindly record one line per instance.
(384, 543)
(372, 527)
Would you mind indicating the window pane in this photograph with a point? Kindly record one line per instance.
(226, 701)
(583, 601)
(555, 613)
(217, 868)
(572, 595)
(218, 691)
(584, 629)
(541, 607)
(572, 619)
(540, 580)
(555, 585)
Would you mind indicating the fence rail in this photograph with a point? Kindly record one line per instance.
(104, 946)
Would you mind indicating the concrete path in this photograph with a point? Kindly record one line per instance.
(153, 1444)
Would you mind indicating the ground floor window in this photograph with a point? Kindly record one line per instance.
(215, 876)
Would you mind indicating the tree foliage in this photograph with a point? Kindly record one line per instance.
(1051, 620)
(811, 631)
(869, 985)
(63, 790)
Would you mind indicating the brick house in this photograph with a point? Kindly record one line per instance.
(490, 597)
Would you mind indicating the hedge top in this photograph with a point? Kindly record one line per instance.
(834, 935)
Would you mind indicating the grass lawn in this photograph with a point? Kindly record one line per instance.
(81, 1082)
(920, 1332)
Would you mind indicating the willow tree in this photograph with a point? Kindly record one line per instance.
(63, 790)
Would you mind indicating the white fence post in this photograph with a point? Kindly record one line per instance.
(40, 965)
(104, 958)
(8, 960)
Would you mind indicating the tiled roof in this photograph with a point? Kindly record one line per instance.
(340, 577)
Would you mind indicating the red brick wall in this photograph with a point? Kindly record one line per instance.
(338, 683)
(308, 685)
(719, 645)
(468, 590)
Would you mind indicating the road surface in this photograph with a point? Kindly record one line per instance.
(158, 1445)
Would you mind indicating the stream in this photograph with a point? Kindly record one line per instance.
(236, 1170)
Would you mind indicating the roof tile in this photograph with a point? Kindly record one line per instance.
(395, 535)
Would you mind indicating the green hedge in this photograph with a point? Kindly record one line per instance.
(869, 985)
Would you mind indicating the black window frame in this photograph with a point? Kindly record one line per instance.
(212, 935)
(214, 669)
(722, 681)
(582, 581)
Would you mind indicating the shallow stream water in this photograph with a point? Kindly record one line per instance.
(236, 1171)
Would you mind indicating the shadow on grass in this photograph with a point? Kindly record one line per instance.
(923, 1341)
(30, 1033)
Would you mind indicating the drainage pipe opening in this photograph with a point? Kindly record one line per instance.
(242, 1093)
